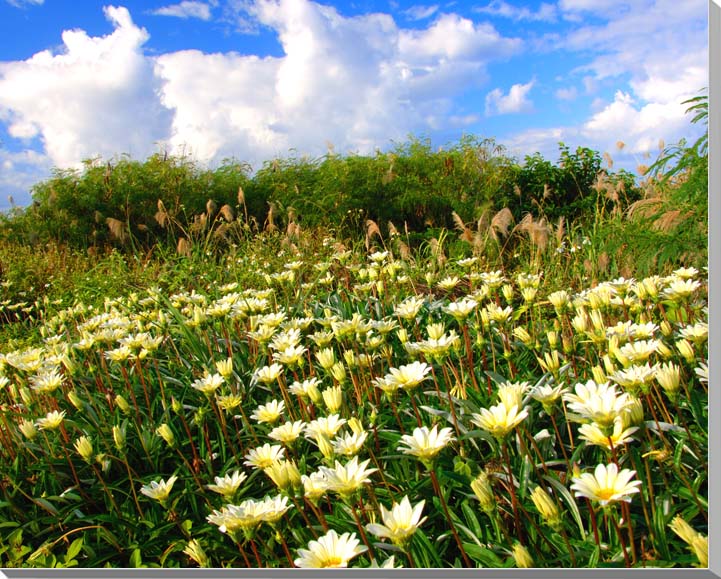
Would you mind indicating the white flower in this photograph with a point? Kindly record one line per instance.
(400, 522)
(330, 550)
(606, 485)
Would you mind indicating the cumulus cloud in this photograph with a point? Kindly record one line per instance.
(185, 9)
(357, 82)
(515, 101)
(97, 96)
(657, 50)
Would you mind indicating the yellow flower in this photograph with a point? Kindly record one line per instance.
(166, 434)
(326, 426)
(269, 413)
(425, 443)
(330, 551)
(546, 507)
(263, 456)
(333, 398)
(314, 486)
(229, 484)
(499, 420)
(195, 551)
(522, 557)
(599, 403)
(84, 448)
(350, 444)
(51, 421)
(285, 474)
(208, 383)
(27, 427)
(287, 432)
(347, 479)
(595, 435)
(410, 375)
(160, 491)
(606, 485)
(399, 523)
(483, 490)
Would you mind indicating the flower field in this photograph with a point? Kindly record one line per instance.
(351, 408)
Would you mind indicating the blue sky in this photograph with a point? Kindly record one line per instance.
(257, 79)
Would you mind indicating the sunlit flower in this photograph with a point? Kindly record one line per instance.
(512, 393)
(229, 402)
(697, 542)
(481, 487)
(698, 333)
(268, 374)
(408, 309)
(246, 517)
(46, 382)
(606, 485)
(595, 435)
(84, 448)
(263, 456)
(27, 427)
(499, 420)
(330, 551)
(287, 432)
(324, 426)
(314, 486)
(547, 508)
(347, 479)
(448, 283)
(425, 443)
(547, 395)
(635, 377)
(290, 356)
(229, 484)
(400, 522)
(308, 388)
(349, 444)
(410, 375)
(333, 398)
(285, 474)
(195, 551)
(269, 413)
(522, 557)
(208, 383)
(681, 289)
(160, 491)
(598, 403)
(51, 421)
(326, 358)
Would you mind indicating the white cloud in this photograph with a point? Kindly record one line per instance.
(567, 94)
(515, 101)
(185, 9)
(546, 12)
(96, 97)
(356, 82)
(420, 12)
(24, 3)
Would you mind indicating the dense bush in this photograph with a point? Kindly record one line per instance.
(166, 198)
